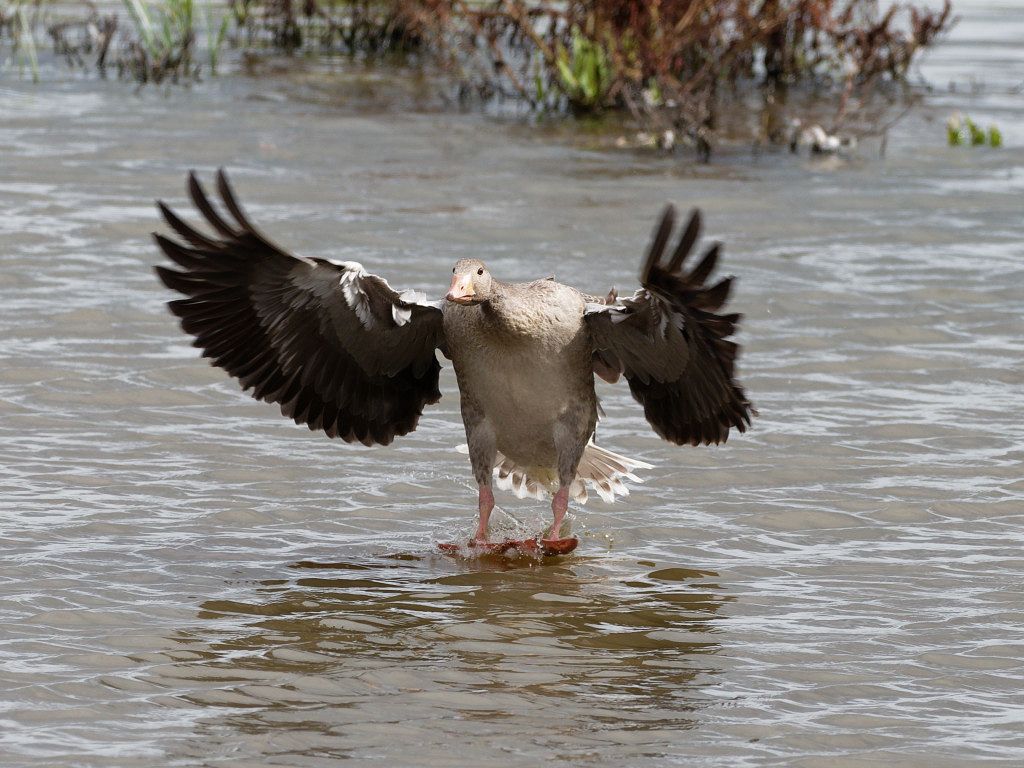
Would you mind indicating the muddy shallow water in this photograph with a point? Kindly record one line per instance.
(187, 579)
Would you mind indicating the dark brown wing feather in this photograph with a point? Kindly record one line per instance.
(671, 345)
(337, 348)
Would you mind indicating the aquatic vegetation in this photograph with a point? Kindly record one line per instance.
(363, 27)
(961, 130)
(682, 65)
(165, 41)
(150, 41)
(954, 131)
(585, 73)
(80, 37)
(215, 37)
(976, 134)
(684, 68)
(14, 19)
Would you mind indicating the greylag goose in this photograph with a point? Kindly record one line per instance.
(344, 353)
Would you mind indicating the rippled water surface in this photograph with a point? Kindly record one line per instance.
(187, 579)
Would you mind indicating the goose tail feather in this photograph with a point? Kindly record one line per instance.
(600, 471)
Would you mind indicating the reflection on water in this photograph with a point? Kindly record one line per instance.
(578, 661)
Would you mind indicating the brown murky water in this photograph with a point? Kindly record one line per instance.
(186, 579)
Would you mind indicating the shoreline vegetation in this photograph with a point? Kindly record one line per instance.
(693, 73)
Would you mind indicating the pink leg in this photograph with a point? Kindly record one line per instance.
(486, 504)
(559, 505)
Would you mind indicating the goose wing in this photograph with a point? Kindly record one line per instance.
(337, 348)
(671, 345)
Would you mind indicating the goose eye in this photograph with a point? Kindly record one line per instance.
(480, 271)
(453, 270)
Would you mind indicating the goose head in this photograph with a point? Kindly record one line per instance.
(471, 283)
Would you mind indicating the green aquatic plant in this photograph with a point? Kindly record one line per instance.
(974, 132)
(139, 13)
(961, 130)
(166, 38)
(953, 129)
(215, 40)
(166, 31)
(14, 17)
(149, 41)
(584, 73)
